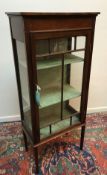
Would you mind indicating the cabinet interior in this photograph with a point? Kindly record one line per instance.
(60, 96)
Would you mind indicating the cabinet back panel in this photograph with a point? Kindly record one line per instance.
(49, 77)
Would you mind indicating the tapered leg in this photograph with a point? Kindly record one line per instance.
(25, 141)
(82, 137)
(36, 160)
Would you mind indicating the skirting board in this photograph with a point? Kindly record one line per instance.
(97, 109)
(17, 117)
(11, 118)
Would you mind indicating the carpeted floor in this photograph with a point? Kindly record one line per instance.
(61, 157)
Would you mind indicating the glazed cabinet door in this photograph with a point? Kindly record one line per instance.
(59, 62)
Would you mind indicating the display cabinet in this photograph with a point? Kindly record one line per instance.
(52, 56)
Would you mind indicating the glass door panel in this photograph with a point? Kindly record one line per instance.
(49, 78)
(59, 81)
(72, 82)
(76, 73)
(79, 55)
(49, 82)
(63, 124)
(58, 45)
(24, 84)
(42, 47)
(51, 46)
(81, 41)
(45, 132)
(71, 109)
(78, 42)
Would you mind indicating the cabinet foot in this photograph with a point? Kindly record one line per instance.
(82, 137)
(36, 160)
(25, 141)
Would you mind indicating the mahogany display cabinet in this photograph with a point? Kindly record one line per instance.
(52, 56)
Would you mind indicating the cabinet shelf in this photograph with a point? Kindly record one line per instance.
(50, 96)
(51, 115)
(58, 126)
(58, 53)
(63, 124)
(54, 62)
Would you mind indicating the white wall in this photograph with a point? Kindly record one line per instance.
(98, 85)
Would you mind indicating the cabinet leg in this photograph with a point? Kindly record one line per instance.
(36, 160)
(25, 141)
(82, 137)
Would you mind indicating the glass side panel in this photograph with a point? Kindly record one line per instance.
(24, 84)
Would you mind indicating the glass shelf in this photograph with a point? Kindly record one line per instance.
(50, 96)
(54, 62)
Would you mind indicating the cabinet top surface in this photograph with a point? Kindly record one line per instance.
(52, 14)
